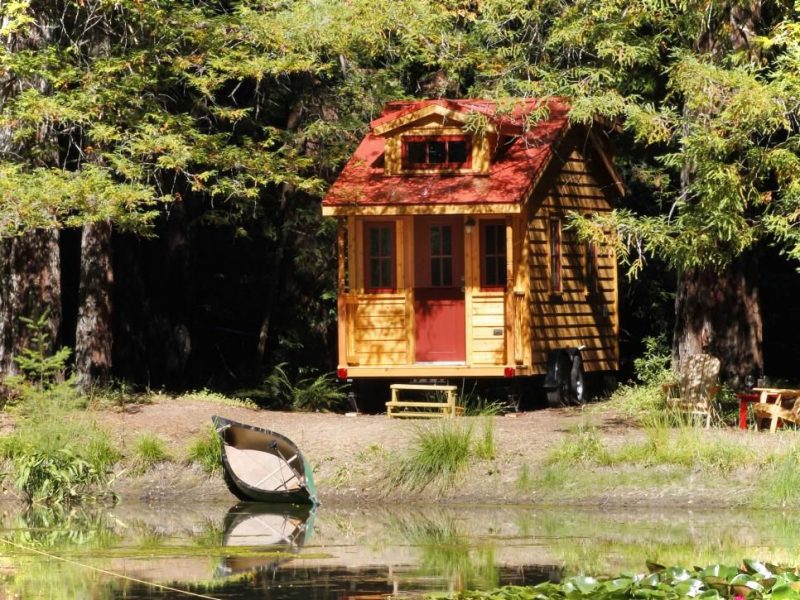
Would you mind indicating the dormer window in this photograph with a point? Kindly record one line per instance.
(439, 153)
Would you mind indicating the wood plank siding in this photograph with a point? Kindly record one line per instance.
(584, 310)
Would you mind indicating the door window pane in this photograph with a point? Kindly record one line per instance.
(441, 240)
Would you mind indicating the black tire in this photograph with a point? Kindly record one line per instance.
(559, 394)
(577, 381)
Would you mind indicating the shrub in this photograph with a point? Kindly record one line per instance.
(320, 392)
(207, 451)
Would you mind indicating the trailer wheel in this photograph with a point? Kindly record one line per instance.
(577, 383)
(558, 392)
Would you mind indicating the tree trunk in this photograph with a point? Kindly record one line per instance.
(280, 263)
(31, 286)
(719, 313)
(93, 336)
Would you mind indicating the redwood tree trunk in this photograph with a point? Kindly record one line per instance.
(719, 313)
(30, 274)
(93, 336)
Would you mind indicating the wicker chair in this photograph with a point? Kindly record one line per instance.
(696, 387)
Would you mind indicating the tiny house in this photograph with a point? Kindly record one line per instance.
(454, 259)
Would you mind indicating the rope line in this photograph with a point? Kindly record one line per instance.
(110, 573)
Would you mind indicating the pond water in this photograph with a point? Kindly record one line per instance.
(248, 551)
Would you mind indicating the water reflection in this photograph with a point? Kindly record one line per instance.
(281, 529)
(253, 551)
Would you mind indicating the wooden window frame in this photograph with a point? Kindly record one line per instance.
(369, 227)
(591, 268)
(500, 256)
(556, 254)
(427, 166)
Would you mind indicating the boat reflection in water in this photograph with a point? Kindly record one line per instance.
(281, 529)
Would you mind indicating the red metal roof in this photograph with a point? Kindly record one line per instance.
(362, 182)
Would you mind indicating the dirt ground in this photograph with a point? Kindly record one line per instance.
(351, 456)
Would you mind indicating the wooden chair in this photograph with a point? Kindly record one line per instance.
(772, 405)
(696, 387)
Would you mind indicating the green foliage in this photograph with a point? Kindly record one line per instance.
(207, 451)
(779, 484)
(681, 447)
(654, 366)
(148, 450)
(484, 446)
(583, 447)
(56, 457)
(58, 460)
(439, 454)
(39, 367)
(322, 392)
(751, 580)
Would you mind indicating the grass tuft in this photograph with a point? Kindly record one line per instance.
(584, 447)
(439, 454)
(149, 450)
(484, 446)
(207, 451)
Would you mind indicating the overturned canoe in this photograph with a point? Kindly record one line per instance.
(263, 465)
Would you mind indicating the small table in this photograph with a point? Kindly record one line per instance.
(745, 398)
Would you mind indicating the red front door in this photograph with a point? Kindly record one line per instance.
(439, 289)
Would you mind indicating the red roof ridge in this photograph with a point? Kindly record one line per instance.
(397, 109)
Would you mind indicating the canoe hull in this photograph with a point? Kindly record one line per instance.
(263, 465)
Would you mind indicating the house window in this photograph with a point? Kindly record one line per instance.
(493, 254)
(379, 257)
(440, 152)
(592, 278)
(441, 256)
(555, 255)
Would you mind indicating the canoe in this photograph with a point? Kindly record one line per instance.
(264, 466)
(281, 529)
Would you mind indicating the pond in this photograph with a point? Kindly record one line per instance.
(249, 551)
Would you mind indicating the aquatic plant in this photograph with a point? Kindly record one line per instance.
(206, 450)
(751, 580)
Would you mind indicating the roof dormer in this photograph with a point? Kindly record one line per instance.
(432, 139)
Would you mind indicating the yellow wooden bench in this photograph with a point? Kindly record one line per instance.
(399, 408)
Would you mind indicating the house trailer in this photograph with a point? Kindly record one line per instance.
(454, 259)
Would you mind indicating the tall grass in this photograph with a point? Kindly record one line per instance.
(779, 485)
(681, 447)
(484, 446)
(439, 454)
(206, 451)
